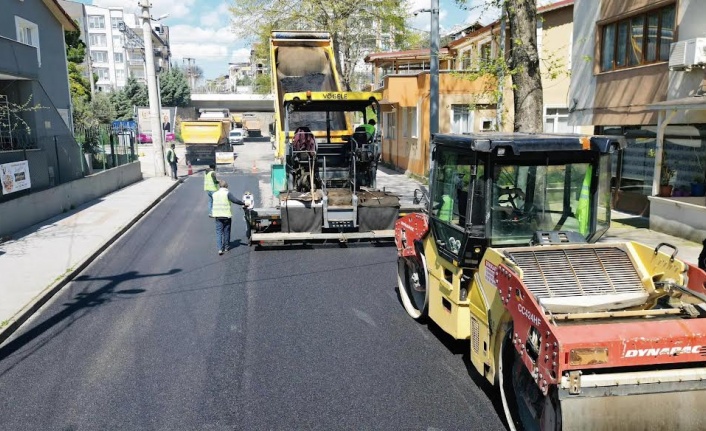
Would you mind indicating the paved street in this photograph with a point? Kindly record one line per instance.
(163, 333)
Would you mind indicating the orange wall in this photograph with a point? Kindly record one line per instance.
(411, 154)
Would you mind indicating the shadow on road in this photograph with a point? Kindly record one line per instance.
(81, 301)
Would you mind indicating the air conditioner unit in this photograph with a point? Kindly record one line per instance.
(687, 54)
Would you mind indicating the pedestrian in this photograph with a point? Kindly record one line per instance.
(172, 159)
(210, 185)
(223, 215)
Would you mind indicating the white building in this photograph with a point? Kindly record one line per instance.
(105, 43)
(115, 50)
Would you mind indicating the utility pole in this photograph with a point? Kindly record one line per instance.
(153, 91)
(190, 63)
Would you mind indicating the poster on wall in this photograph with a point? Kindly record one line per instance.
(14, 177)
(166, 120)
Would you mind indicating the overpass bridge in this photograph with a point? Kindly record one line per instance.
(263, 105)
(236, 102)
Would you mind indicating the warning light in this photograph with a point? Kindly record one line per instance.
(308, 94)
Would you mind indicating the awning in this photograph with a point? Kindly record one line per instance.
(693, 102)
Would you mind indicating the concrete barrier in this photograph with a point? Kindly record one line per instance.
(31, 209)
(684, 217)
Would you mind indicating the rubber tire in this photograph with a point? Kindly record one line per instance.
(410, 301)
(511, 407)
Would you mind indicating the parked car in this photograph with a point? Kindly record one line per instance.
(146, 138)
(235, 137)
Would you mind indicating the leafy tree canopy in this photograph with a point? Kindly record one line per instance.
(174, 88)
(355, 27)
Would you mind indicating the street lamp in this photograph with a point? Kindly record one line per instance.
(433, 76)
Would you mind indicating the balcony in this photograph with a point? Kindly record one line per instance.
(18, 60)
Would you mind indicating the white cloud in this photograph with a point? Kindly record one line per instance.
(191, 34)
(175, 8)
(240, 55)
(219, 16)
(200, 51)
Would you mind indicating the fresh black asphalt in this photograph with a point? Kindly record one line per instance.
(162, 333)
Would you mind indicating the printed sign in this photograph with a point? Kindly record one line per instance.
(14, 177)
(166, 120)
(223, 158)
(491, 273)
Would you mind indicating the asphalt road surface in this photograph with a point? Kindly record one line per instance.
(162, 333)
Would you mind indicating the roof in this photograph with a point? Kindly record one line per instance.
(531, 142)
(411, 54)
(60, 14)
(540, 10)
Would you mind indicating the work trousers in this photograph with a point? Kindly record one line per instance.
(222, 233)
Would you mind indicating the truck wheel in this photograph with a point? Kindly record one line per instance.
(526, 408)
(413, 286)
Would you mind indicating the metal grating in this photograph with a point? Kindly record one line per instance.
(475, 329)
(577, 272)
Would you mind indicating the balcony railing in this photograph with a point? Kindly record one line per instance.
(18, 59)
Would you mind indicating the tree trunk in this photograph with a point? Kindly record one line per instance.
(524, 60)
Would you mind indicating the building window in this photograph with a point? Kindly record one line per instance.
(103, 73)
(97, 40)
(640, 39)
(117, 42)
(461, 119)
(120, 74)
(118, 57)
(412, 122)
(115, 21)
(389, 125)
(556, 120)
(99, 56)
(28, 33)
(96, 22)
(487, 124)
(485, 53)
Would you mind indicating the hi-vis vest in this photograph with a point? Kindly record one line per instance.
(171, 156)
(447, 206)
(221, 204)
(208, 184)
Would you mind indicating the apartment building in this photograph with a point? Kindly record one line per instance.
(114, 39)
(469, 101)
(639, 72)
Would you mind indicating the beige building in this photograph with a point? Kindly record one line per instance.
(469, 100)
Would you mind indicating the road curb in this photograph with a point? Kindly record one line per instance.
(43, 297)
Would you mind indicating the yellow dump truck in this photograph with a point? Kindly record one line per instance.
(205, 136)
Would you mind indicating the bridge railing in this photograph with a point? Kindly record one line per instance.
(221, 89)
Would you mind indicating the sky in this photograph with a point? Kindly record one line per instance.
(201, 29)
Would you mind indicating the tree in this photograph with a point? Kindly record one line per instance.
(174, 88)
(102, 108)
(79, 85)
(354, 26)
(522, 62)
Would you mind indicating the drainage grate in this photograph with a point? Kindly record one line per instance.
(584, 271)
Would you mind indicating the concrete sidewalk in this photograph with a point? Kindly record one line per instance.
(39, 261)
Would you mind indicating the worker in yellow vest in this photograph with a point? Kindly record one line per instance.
(223, 215)
(210, 184)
